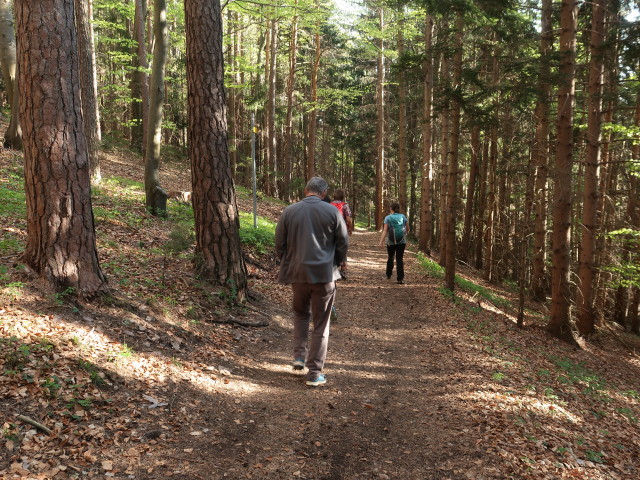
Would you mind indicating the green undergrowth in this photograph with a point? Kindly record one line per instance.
(260, 237)
(433, 269)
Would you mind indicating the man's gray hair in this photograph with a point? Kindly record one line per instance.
(317, 185)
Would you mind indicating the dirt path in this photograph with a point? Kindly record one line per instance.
(393, 406)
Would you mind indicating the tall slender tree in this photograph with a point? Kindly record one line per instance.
(380, 126)
(153, 191)
(89, 88)
(61, 244)
(426, 216)
(402, 118)
(217, 224)
(559, 323)
(452, 184)
(539, 153)
(13, 135)
(140, 80)
(586, 274)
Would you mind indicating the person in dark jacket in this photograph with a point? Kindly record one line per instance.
(311, 242)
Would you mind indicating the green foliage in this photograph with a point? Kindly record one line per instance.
(261, 237)
(577, 373)
(92, 370)
(434, 270)
(52, 384)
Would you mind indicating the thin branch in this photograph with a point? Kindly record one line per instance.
(32, 422)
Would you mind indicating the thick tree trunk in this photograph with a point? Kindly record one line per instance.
(139, 80)
(402, 121)
(586, 274)
(452, 201)
(61, 242)
(560, 318)
(426, 201)
(217, 224)
(88, 85)
(13, 135)
(380, 129)
(154, 194)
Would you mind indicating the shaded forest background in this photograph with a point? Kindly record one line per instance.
(508, 130)
(454, 108)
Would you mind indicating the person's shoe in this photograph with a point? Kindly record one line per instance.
(400, 282)
(388, 277)
(321, 380)
(297, 364)
(334, 314)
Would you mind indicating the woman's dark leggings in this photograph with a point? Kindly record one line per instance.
(398, 251)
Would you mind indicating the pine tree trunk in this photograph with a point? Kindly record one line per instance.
(311, 144)
(61, 243)
(465, 247)
(152, 188)
(139, 81)
(539, 153)
(584, 301)
(445, 117)
(426, 201)
(266, 112)
(217, 224)
(380, 129)
(272, 188)
(288, 128)
(89, 86)
(489, 237)
(560, 319)
(13, 135)
(452, 201)
(482, 205)
(402, 121)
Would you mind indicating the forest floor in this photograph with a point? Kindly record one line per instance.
(159, 379)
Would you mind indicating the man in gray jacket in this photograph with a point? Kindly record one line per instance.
(311, 242)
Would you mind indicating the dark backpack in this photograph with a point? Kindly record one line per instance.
(396, 228)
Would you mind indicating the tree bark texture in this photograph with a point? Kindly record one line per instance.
(585, 292)
(153, 192)
(88, 83)
(217, 224)
(402, 121)
(539, 153)
(452, 201)
(271, 185)
(61, 242)
(426, 216)
(560, 317)
(465, 246)
(140, 80)
(13, 135)
(313, 114)
(288, 127)
(380, 128)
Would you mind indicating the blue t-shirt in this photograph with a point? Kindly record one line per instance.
(397, 220)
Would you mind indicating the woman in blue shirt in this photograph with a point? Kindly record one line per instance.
(395, 230)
